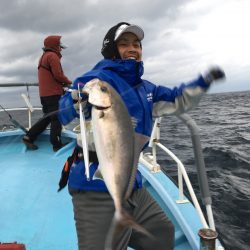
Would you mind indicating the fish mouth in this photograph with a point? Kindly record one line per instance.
(101, 110)
(101, 107)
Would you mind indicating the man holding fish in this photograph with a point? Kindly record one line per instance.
(112, 210)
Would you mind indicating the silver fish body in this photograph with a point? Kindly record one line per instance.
(114, 139)
(117, 147)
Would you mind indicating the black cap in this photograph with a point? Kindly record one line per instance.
(109, 48)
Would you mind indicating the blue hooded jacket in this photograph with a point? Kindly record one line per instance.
(143, 100)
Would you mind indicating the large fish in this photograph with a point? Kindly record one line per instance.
(117, 146)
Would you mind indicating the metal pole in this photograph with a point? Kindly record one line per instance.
(199, 160)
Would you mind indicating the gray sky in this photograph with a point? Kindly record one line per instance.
(182, 37)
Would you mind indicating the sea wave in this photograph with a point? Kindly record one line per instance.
(228, 157)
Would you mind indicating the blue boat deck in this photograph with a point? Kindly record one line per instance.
(34, 213)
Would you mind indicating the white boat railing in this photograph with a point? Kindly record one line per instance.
(150, 161)
(26, 98)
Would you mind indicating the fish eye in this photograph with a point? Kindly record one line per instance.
(104, 89)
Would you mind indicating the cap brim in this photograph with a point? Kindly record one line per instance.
(136, 30)
(63, 46)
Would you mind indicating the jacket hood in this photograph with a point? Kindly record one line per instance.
(52, 43)
(129, 70)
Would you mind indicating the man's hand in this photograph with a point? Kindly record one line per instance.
(75, 95)
(214, 74)
(84, 100)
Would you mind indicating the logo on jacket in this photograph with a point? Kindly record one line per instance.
(150, 97)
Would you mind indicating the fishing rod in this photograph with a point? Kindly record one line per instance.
(83, 134)
(15, 122)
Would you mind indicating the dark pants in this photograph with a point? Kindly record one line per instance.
(93, 212)
(50, 104)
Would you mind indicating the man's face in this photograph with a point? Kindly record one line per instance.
(129, 47)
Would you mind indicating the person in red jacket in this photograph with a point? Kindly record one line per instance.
(51, 82)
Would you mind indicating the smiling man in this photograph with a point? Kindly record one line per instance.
(129, 47)
(122, 68)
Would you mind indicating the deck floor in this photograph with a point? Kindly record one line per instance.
(34, 213)
(31, 210)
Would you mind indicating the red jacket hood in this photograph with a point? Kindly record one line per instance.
(52, 43)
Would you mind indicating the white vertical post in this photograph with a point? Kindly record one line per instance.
(30, 107)
(180, 184)
(29, 114)
(154, 154)
(210, 217)
(158, 126)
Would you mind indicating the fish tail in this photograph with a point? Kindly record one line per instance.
(122, 220)
(128, 221)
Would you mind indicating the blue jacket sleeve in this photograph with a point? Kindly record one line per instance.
(66, 111)
(179, 99)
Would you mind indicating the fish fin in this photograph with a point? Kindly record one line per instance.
(119, 223)
(126, 220)
(98, 175)
(139, 143)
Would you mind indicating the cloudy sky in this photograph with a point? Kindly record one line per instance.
(182, 37)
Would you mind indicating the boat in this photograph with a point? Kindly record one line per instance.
(33, 213)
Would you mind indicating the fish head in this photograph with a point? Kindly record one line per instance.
(98, 92)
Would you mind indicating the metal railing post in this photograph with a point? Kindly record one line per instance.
(29, 105)
(188, 183)
(180, 185)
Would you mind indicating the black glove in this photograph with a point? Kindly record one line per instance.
(214, 74)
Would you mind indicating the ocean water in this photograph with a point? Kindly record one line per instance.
(224, 123)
